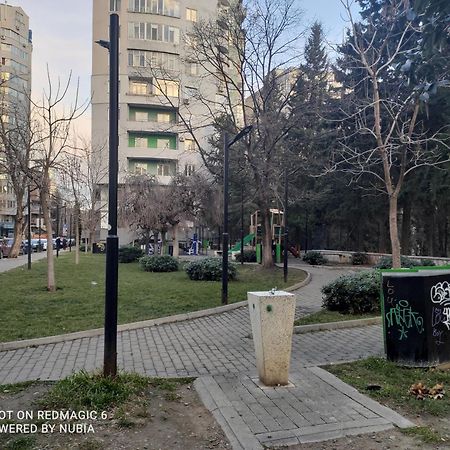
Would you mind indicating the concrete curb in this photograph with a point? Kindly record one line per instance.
(328, 326)
(15, 345)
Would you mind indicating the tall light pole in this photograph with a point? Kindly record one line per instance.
(285, 216)
(29, 228)
(226, 147)
(112, 241)
(242, 224)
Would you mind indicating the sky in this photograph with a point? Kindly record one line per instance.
(62, 36)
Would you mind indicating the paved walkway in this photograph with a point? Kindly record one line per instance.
(22, 260)
(218, 349)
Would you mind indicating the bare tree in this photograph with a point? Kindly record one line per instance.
(244, 56)
(83, 174)
(151, 209)
(16, 141)
(383, 135)
(55, 121)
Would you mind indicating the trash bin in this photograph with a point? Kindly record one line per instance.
(416, 316)
(272, 318)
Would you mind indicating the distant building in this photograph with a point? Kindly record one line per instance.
(158, 82)
(15, 90)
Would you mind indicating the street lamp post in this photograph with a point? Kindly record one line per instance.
(112, 241)
(242, 224)
(226, 147)
(285, 216)
(29, 228)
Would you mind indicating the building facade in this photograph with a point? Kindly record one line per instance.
(158, 86)
(15, 91)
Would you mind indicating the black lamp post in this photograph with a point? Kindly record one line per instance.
(29, 228)
(112, 241)
(242, 224)
(285, 216)
(226, 146)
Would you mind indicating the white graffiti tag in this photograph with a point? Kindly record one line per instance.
(446, 322)
(440, 293)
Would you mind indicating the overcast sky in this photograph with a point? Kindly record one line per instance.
(62, 38)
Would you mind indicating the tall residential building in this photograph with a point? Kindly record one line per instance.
(158, 84)
(15, 90)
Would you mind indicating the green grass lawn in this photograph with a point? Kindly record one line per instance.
(394, 382)
(29, 311)
(325, 316)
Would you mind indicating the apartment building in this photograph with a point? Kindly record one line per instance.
(15, 90)
(158, 85)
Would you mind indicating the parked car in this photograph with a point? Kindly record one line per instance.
(6, 245)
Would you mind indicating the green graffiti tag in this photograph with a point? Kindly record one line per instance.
(403, 317)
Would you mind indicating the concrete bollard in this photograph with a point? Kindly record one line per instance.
(272, 318)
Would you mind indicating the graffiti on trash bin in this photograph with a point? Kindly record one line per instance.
(404, 318)
(440, 295)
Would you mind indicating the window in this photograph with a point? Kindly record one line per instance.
(165, 7)
(189, 169)
(153, 32)
(114, 5)
(139, 87)
(163, 118)
(140, 141)
(141, 116)
(189, 145)
(145, 58)
(191, 15)
(192, 68)
(163, 143)
(166, 87)
(163, 170)
(140, 168)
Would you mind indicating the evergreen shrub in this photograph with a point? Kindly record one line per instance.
(249, 256)
(158, 263)
(353, 294)
(209, 269)
(359, 259)
(385, 262)
(314, 258)
(129, 254)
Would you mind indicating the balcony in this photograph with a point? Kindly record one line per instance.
(150, 126)
(152, 153)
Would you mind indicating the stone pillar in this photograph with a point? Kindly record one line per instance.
(272, 318)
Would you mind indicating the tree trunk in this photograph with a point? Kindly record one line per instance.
(91, 239)
(77, 237)
(393, 230)
(19, 227)
(176, 251)
(267, 259)
(45, 202)
(406, 226)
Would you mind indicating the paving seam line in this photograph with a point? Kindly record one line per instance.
(15, 345)
(367, 402)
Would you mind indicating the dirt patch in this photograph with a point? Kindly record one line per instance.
(175, 420)
(430, 427)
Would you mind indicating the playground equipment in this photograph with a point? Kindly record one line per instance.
(247, 240)
(254, 238)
